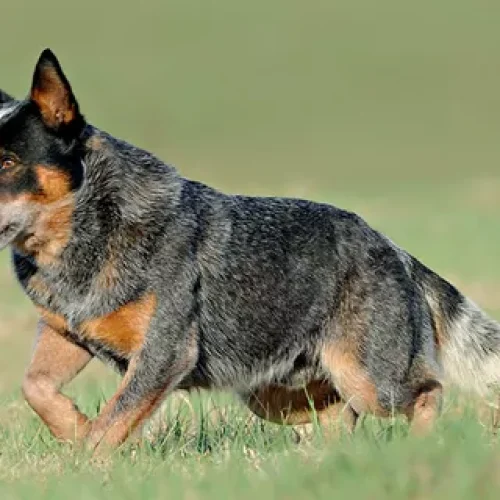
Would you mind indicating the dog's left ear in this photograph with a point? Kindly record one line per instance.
(4, 97)
(52, 93)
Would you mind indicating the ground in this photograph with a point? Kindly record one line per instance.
(387, 108)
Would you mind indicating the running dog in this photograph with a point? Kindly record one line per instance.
(300, 308)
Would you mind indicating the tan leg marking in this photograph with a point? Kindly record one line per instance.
(51, 212)
(102, 425)
(350, 378)
(105, 435)
(110, 429)
(426, 408)
(56, 361)
(123, 330)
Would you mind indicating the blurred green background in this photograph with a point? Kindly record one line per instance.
(388, 108)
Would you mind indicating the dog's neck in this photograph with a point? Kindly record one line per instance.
(126, 175)
(124, 189)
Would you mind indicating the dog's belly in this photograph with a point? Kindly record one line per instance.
(293, 373)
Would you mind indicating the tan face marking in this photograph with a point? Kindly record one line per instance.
(48, 214)
(54, 183)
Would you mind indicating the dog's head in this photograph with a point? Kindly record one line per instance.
(40, 150)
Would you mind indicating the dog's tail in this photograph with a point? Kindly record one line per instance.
(468, 339)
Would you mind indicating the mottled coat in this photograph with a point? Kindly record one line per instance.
(296, 306)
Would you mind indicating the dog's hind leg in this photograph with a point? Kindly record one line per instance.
(55, 362)
(356, 385)
(352, 381)
(292, 406)
(426, 407)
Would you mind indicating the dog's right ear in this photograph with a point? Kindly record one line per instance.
(4, 97)
(52, 94)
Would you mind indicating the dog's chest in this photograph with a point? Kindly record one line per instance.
(116, 331)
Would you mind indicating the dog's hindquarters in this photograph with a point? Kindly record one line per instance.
(379, 349)
(468, 340)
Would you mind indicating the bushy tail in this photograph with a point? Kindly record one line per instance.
(467, 338)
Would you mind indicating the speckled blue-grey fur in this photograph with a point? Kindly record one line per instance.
(258, 280)
(251, 291)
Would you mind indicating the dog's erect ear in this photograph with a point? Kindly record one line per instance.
(52, 93)
(4, 97)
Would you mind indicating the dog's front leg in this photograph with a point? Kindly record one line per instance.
(55, 362)
(153, 372)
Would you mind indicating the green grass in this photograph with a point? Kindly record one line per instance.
(211, 448)
(387, 108)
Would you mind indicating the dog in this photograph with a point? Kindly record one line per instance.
(300, 308)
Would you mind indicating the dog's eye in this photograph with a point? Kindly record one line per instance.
(7, 162)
